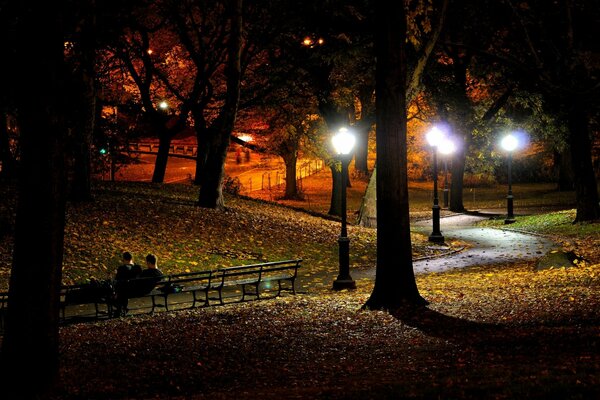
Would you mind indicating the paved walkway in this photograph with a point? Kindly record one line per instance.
(488, 245)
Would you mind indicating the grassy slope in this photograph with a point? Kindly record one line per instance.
(501, 331)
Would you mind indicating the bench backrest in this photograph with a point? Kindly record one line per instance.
(257, 271)
(199, 277)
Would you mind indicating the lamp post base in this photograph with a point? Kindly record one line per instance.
(344, 283)
(436, 238)
(509, 221)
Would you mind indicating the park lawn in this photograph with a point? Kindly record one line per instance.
(163, 219)
(499, 332)
(502, 331)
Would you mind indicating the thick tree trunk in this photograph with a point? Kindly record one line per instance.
(6, 158)
(362, 129)
(162, 157)
(586, 188)
(291, 187)
(212, 174)
(335, 206)
(211, 191)
(361, 154)
(458, 177)
(564, 171)
(395, 284)
(81, 187)
(30, 345)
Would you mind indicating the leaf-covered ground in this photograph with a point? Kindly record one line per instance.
(163, 219)
(494, 332)
(502, 331)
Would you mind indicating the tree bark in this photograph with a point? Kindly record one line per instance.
(162, 157)
(291, 187)
(586, 188)
(30, 345)
(81, 187)
(211, 191)
(6, 158)
(335, 206)
(458, 176)
(564, 171)
(395, 284)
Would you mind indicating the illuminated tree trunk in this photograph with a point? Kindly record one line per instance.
(211, 181)
(362, 129)
(458, 176)
(30, 345)
(162, 157)
(335, 207)
(395, 284)
(213, 172)
(586, 188)
(291, 187)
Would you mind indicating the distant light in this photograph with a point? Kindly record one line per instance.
(307, 41)
(163, 105)
(245, 137)
(343, 141)
(321, 41)
(150, 51)
(103, 151)
(509, 142)
(435, 136)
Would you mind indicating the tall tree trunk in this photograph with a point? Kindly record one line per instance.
(213, 172)
(458, 176)
(291, 187)
(564, 171)
(395, 284)
(586, 188)
(362, 129)
(162, 157)
(30, 345)
(211, 192)
(6, 158)
(361, 154)
(81, 188)
(335, 206)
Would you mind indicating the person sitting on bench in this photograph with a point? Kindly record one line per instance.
(127, 271)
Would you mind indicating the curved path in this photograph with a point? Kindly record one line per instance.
(487, 245)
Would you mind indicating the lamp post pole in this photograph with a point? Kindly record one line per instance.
(436, 236)
(510, 217)
(343, 142)
(446, 190)
(344, 280)
(509, 143)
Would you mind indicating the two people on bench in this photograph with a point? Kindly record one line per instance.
(132, 281)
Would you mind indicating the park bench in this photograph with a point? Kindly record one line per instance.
(200, 284)
(250, 277)
(188, 282)
(87, 293)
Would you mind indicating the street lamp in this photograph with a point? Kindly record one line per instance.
(343, 143)
(447, 147)
(435, 136)
(509, 143)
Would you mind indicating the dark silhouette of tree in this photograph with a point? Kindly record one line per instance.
(552, 46)
(395, 284)
(30, 345)
(218, 136)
